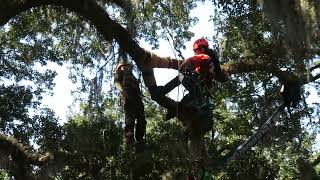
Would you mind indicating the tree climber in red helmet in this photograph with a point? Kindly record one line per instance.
(199, 72)
(202, 66)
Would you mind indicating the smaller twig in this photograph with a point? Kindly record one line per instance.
(314, 78)
(316, 161)
(315, 67)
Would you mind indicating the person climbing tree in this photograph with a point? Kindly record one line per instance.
(199, 69)
(132, 104)
(198, 73)
(194, 110)
(201, 46)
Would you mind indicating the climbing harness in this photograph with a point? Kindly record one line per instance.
(195, 87)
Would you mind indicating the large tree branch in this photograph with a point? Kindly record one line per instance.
(248, 66)
(11, 146)
(15, 149)
(112, 30)
(284, 76)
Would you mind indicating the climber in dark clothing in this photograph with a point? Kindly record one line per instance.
(132, 104)
(198, 73)
(194, 109)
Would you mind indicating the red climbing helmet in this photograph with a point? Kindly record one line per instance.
(200, 43)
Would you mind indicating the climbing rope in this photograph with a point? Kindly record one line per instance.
(173, 49)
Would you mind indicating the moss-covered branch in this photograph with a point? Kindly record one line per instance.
(246, 67)
(11, 146)
(23, 157)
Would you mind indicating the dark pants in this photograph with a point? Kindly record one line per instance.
(134, 113)
(195, 112)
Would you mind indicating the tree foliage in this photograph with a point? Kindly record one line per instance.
(262, 44)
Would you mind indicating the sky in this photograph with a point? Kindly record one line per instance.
(62, 98)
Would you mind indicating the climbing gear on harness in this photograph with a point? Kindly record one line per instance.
(126, 64)
(192, 82)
